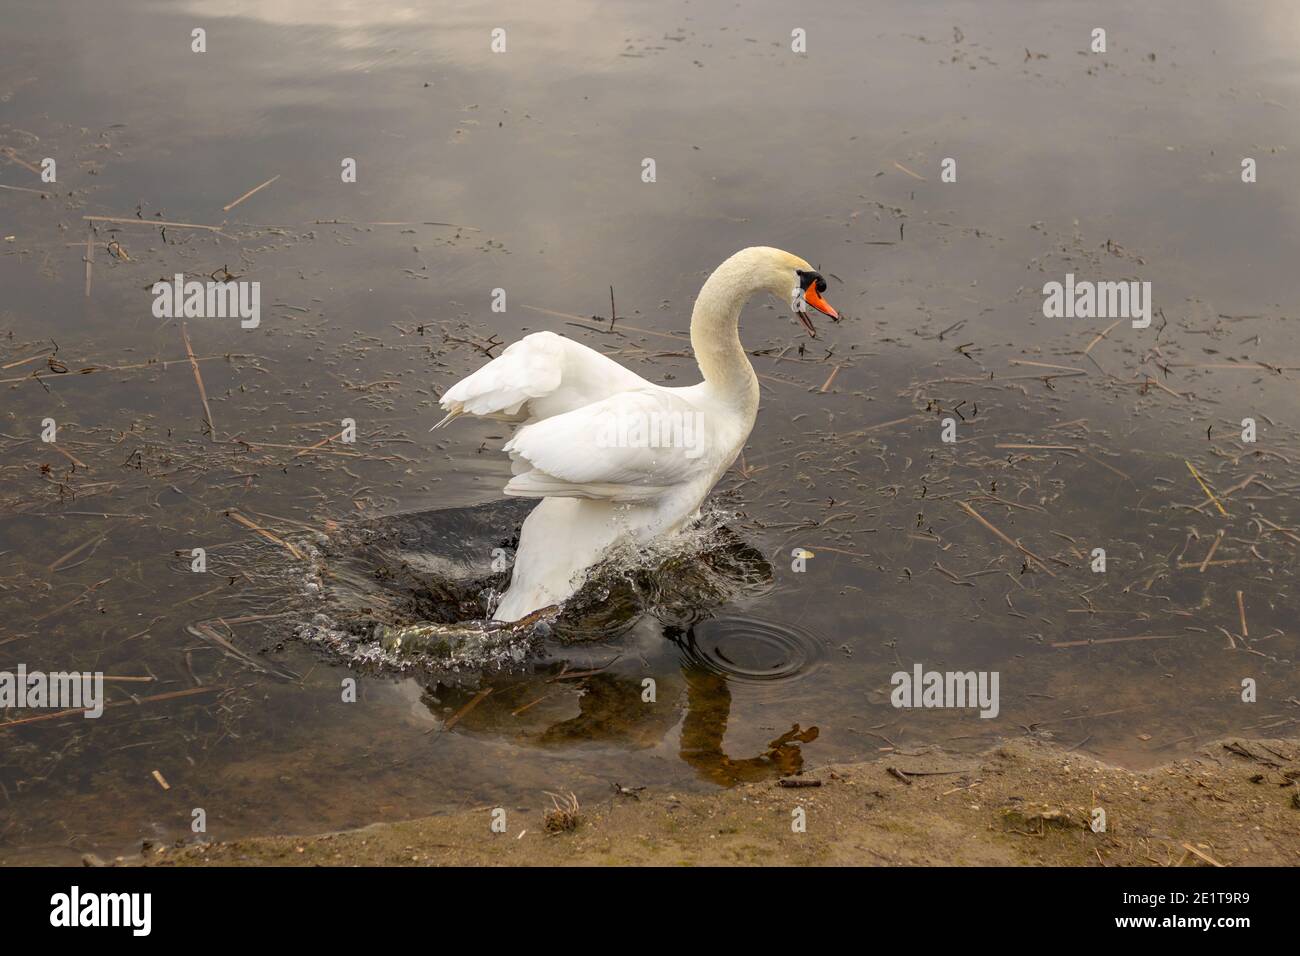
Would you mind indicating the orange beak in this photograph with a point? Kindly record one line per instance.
(814, 298)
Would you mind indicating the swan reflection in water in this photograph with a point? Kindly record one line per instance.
(537, 710)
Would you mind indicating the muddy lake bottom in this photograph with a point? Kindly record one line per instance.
(975, 554)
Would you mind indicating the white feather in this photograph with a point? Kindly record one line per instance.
(629, 447)
(542, 374)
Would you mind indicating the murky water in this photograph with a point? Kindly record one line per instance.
(522, 171)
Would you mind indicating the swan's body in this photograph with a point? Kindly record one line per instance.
(611, 455)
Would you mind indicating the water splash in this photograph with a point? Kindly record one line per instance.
(416, 590)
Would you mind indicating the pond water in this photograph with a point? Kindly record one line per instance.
(522, 171)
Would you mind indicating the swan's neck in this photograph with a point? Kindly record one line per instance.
(715, 332)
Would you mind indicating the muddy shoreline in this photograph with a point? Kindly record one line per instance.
(1235, 802)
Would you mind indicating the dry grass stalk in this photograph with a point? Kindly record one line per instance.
(1204, 487)
(198, 378)
(455, 718)
(255, 189)
(150, 222)
(253, 526)
(1019, 547)
(1218, 538)
(117, 703)
(565, 814)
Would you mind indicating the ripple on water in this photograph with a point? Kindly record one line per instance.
(753, 651)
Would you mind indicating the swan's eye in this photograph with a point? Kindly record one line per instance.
(810, 279)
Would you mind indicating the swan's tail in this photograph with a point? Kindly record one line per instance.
(449, 418)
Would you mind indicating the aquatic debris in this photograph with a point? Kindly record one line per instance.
(255, 189)
(474, 702)
(198, 378)
(135, 701)
(125, 221)
(253, 526)
(1204, 487)
(204, 631)
(1015, 544)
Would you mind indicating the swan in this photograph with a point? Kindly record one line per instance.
(612, 456)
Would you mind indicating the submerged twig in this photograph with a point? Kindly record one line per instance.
(198, 379)
(1019, 547)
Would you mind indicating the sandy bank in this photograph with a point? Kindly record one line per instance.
(1235, 802)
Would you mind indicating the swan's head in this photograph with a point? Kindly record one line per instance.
(792, 280)
(809, 292)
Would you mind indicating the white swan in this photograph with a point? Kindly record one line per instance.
(611, 455)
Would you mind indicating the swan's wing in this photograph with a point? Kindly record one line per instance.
(631, 447)
(541, 375)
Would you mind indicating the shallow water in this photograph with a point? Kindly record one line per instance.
(1123, 165)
